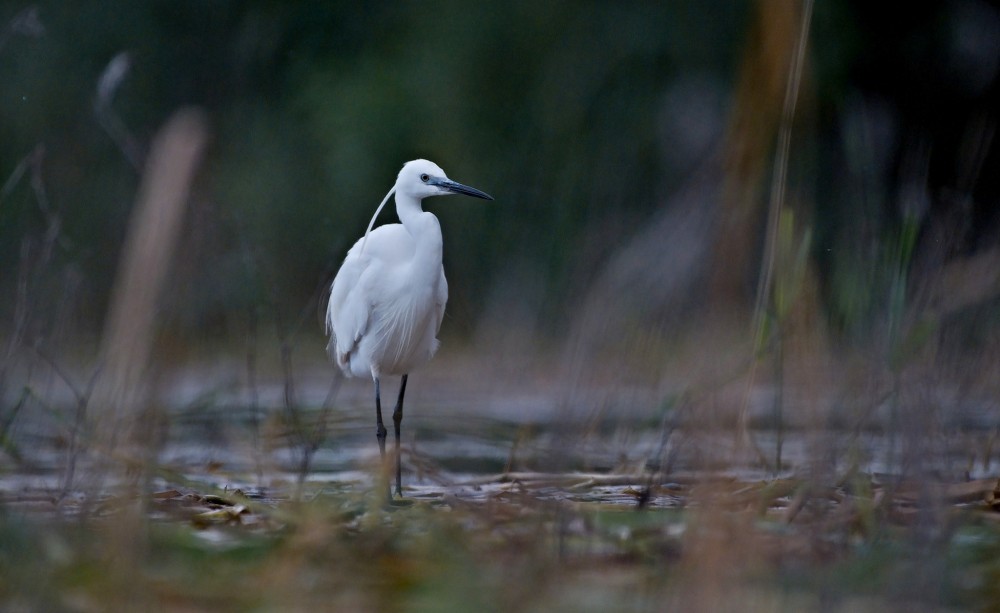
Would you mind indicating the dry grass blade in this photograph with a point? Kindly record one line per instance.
(152, 238)
(120, 392)
(778, 186)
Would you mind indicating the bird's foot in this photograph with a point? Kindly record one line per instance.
(399, 503)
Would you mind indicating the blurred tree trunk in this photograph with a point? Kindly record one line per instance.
(748, 152)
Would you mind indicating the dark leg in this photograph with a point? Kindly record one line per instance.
(380, 427)
(397, 418)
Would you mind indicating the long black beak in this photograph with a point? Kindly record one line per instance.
(458, 188)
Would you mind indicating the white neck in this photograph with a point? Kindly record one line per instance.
(423, 227)
(408, 209)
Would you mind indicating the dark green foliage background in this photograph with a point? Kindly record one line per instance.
(555, 108)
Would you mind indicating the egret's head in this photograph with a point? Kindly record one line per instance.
(421, 179)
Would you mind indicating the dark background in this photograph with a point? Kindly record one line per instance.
(582, 119)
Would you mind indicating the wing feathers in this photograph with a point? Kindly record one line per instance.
(380, 318)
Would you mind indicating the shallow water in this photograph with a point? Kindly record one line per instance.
(464, 432)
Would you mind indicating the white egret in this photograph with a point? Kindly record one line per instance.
(388, 297)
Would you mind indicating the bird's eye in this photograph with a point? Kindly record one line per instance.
(424, 178)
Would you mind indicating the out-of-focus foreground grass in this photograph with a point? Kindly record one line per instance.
(516, 549)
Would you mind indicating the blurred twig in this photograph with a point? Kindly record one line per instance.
(34, 258)
(306, 435)
(251, 367)
(7, 421)
(82, 400)
(111, 79)
(31, 262)
(309, 437)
